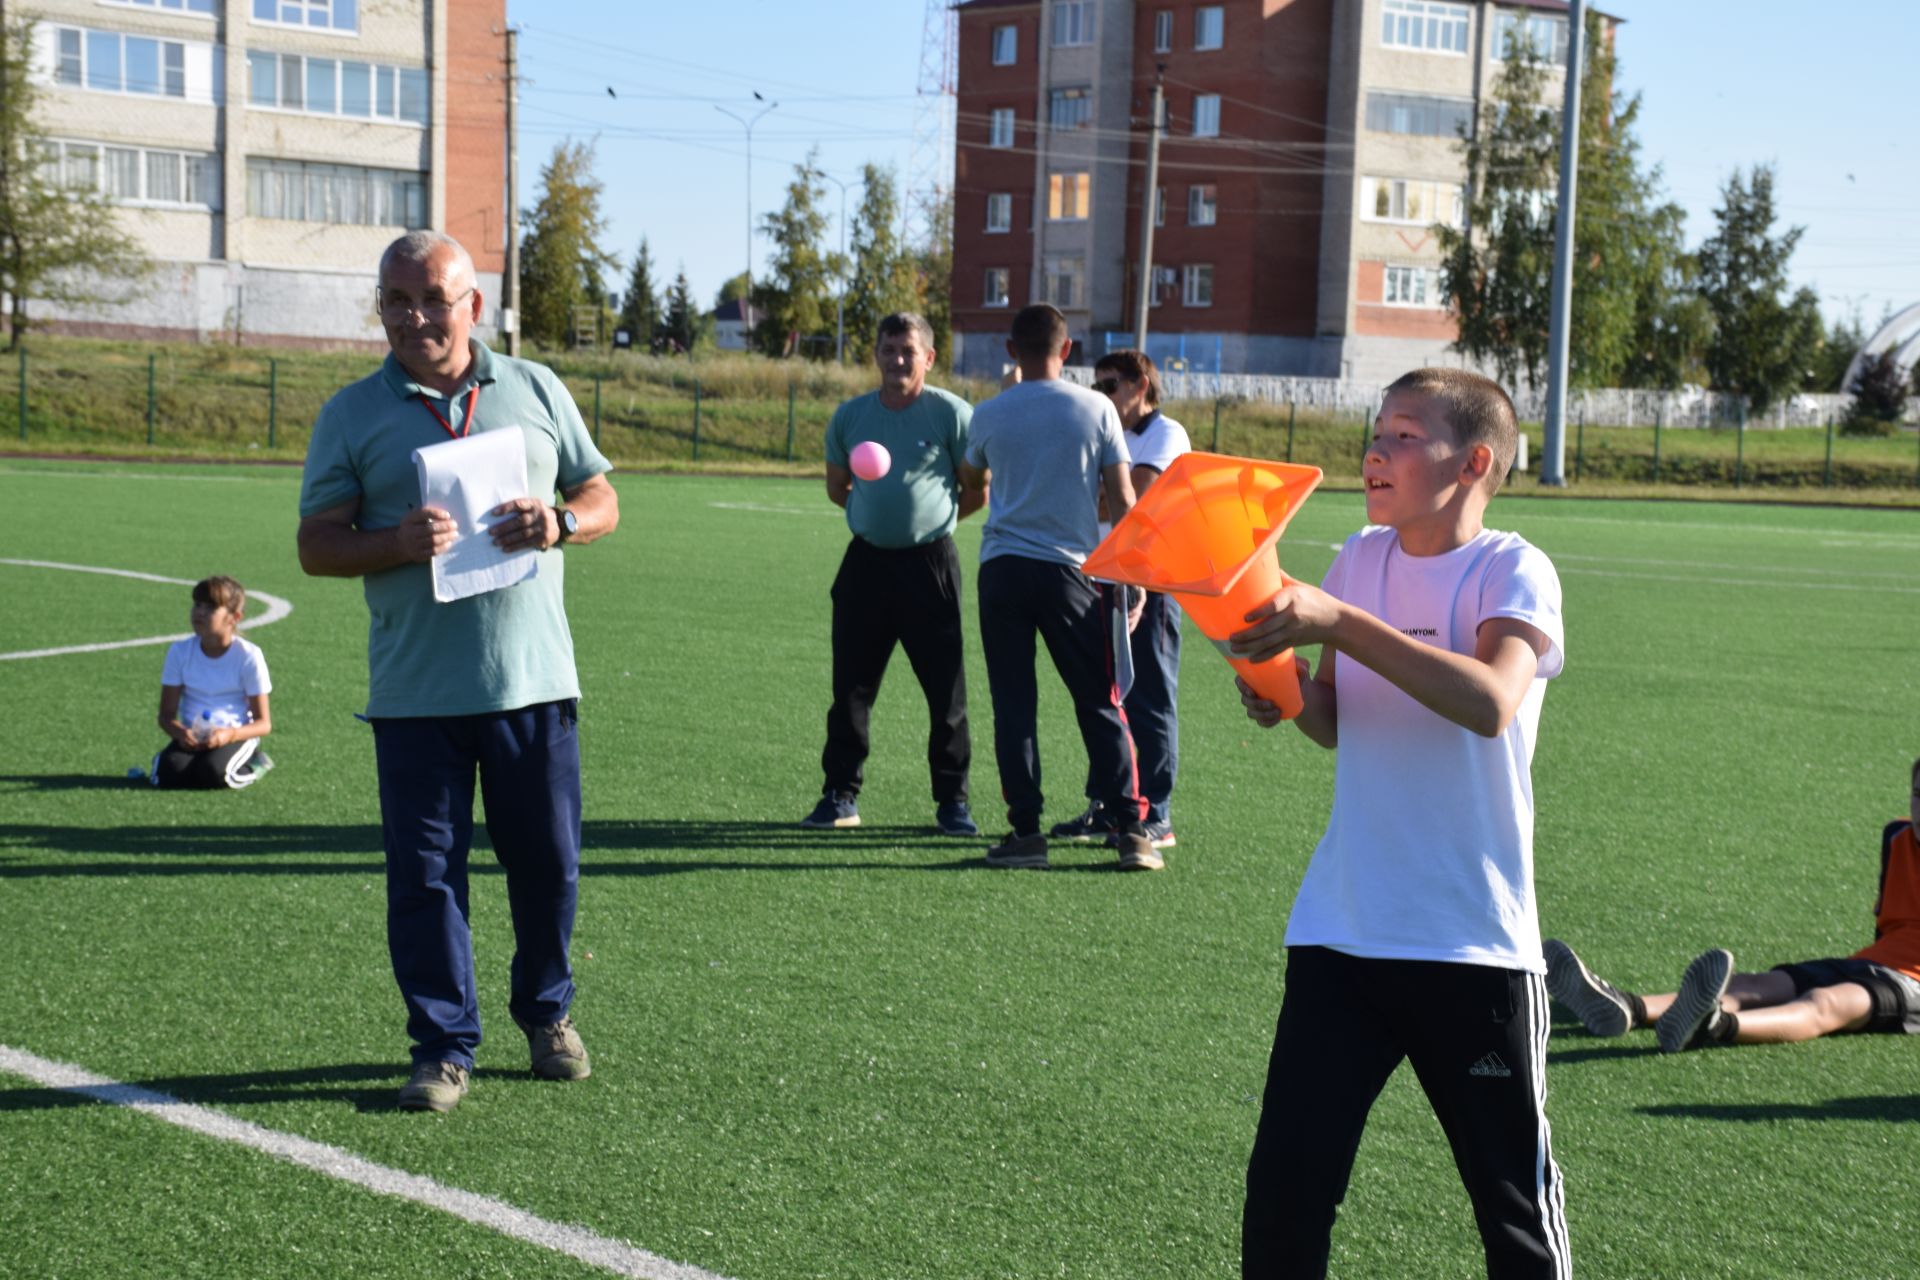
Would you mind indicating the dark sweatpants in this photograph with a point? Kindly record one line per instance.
(1477, 1039)
(1153, 704)
(1021, 598)
(908, 596)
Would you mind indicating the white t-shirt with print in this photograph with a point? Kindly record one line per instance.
(1158, 442)
(217, 688)
(1428, 853)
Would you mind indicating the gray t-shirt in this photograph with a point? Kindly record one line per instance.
(1046, 443)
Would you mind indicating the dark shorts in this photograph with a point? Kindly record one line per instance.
(1896, 996)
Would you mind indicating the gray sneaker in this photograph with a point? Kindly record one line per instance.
(434, 1086)
(1137, 852)
(558, 1053)
(1695, 1013)
(1019, 853)
(1599, 1005)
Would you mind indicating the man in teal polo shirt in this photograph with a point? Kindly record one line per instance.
(899, 582)
(485, 684)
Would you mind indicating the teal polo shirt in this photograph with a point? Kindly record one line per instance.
(494, 652)
(918, 500)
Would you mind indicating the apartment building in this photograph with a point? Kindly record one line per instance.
(1308, 147)
(264, 152)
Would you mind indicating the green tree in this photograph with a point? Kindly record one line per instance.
(1838, 346)
(796, 299)
(61, 241)
(936, 276)
(886, 275)
(731, 290)
(1879, 393)
(562, 264)
(1762, 342)
(640, 304)
(1634, 320)
(680, 324)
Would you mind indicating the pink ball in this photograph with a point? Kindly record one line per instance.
(870, 460)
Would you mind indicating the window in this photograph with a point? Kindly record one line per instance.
(1067, 196)
(336, 193)
(1001, 132)
(994, 291)
(66, 58)
(1072, 22)
(1203, 205)
(324, 86)
(1546, 33)
(109, 62)
(1209, 26)
(1066, 282)
(1406, 200)
(1196, 286)
(136, 175)
(1006, 46)
(103, 61)
(1408, 286)
(1000, 211)
(1412, 114)
(1070, 108)
(1163, 31)
(1165, 281)
(1426, 25)
(326, 15)
(1206, 115)
(178, 6)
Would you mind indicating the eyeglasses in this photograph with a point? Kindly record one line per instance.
(1106, 386)
(398, 309)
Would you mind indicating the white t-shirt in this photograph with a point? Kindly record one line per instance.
(216, 687)
(1158, 442)
(1428, 853)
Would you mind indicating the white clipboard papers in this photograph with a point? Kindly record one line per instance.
(468, 478)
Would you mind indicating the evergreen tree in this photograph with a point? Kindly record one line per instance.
(1762, 343)
(680, 325)
(561, 261)
(1838, 346)
(640, 306)
(796, 300)
(1634, 319)
(1879, 393)
(886, 277)
(936, 276)
(60, 242)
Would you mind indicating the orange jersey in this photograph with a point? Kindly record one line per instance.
(1896, 916)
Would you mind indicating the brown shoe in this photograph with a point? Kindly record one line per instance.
(557, 1051)
(1019, 853)
(1137, 852)
(434, 1086)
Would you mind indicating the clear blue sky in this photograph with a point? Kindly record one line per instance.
(1823, 93)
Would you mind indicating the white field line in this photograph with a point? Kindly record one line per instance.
(130, 475)
(277, 609)
(1852, 537)
(771, 510)
(616, 1256)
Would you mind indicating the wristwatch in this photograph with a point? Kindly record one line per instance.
(569, 524)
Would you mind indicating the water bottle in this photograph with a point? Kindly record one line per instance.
(204, 729)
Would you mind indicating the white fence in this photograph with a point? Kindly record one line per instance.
(1612, 407)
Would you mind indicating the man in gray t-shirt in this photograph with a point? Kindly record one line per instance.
(1049, 449)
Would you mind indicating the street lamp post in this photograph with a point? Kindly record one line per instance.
(840, 301)
(747, 123)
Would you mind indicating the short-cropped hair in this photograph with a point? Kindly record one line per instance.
(418, 246)
(1134, 366)
(901, 323)
(221, 592)
(1475, 407)
(1038, 331)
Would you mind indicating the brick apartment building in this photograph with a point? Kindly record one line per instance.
(1308, 147)
(267, 150)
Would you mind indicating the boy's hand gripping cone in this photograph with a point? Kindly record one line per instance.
(1205, 534)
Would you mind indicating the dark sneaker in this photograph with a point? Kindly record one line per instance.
(1695, 1014)
(955, 819)
(836, 809)
(1136, 851)
(1019, 853)
(557, 1051)
(434, 1086)
(1599, 1005)
(1092, 825)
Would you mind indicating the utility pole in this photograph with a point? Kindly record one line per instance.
(1553, 459)
(840, 300)
(1149, 206)
(510, 285)
(748, 124)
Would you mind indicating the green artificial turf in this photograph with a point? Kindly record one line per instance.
(860, 1054)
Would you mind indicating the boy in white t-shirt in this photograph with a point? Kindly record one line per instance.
(1414, 934)
(213, 698)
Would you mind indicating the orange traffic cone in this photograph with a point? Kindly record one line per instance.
(1205, 534)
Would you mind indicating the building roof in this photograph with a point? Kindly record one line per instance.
(731, 311)
(970, 5)
(1550, 6)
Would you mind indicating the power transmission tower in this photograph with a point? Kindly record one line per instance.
(930, 170)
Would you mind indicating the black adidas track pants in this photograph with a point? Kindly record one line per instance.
(1477, 1039)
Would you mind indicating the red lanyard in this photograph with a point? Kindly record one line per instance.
(466, 423)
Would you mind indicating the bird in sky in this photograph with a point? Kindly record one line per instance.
(611, 93)
(757, 97)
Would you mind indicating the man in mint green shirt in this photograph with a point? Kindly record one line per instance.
(480, 685)
(899, 582)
